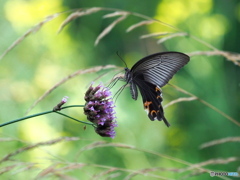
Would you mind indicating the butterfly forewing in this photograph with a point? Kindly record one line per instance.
(159, 68)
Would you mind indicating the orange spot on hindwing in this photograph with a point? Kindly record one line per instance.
(157, 89)
(146, 106)
(152, 114)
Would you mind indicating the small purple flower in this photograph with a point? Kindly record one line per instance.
(99, 109)
(59, 105)
(64, 99)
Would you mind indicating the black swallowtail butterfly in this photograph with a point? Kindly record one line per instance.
(151, 73)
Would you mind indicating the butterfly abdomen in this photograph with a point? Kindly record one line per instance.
(134, 91)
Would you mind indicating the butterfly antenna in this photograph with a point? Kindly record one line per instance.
(122, 59)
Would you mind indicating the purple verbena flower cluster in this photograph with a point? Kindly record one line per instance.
(99, 109)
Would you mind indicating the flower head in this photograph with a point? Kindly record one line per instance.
(99, 109)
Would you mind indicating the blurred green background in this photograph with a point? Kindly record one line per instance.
(46, 57)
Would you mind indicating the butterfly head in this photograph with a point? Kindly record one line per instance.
(127, 76)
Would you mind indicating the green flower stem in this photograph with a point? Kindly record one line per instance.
(65, 107)
(47, 112)
(26, 117)
(75, 119)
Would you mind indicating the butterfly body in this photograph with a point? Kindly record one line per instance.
(151, 73)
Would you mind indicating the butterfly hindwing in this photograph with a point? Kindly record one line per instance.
(152, 100)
